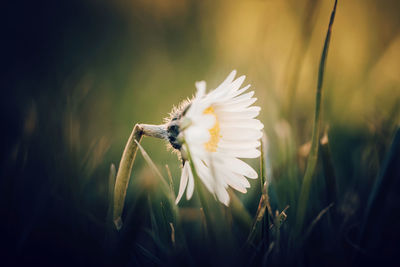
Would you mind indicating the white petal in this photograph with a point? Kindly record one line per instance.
(222, 195)
(240, 153)
(196, 108)
(190, 187)
(243, 123)
(201, 88)
(248, 144)
(236, 134)
(237, 182)
(239, 188)
(198, 151)
(240, 91)
(227, 81)
(184, 180)
(204, 174)
(247, 113)
(234, 106)
(197, 135)
(244, 97)
(233, 179)
(235, 85)
(240, 167)
(228, 90)
(206, 121)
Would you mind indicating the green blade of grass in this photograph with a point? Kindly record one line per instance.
(153, 167)
(203, 200)
(262, 207)
(386, 178)
(316, 220)
(164, 185)
(263, 180)
(329, 170)
(153, 221)
(239, 211)
(313, 156)
(263, 161)
(266, 170)
(171, 184)
(207, 207)
(264, 202)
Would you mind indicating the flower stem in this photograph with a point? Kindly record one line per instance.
(157, 131)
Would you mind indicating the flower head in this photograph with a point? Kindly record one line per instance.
(217, 129)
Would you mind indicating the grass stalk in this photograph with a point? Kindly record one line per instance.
(126, 163)
(262, 207)
(204, 203)
(124, 173)
(313, 156)
(263, 180)
(171, 184)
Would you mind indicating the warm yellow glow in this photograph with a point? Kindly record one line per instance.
(211, 145)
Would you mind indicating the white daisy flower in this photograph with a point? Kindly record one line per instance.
(217, 128)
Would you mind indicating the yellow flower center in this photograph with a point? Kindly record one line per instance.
(211, 145)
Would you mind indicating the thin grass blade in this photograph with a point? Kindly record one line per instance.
(313, 156)
(239, 212)
(164, 185)
(386, 178)
(317, 219)
(262, 207)
(329, 170)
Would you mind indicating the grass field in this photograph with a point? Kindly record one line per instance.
(78, 75)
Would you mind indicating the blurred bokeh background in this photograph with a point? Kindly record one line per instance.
(77, 75)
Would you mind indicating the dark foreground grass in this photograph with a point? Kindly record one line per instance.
(331, 202)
